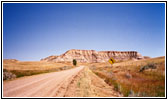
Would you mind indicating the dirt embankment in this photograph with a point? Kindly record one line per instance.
(87, 84)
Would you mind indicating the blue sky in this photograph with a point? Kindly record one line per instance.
(35, 31)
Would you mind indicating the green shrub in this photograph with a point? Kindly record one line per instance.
(74, 62)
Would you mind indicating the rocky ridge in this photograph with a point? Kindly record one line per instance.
(91, 56)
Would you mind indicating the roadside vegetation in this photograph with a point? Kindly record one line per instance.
(142, 78)
(74, 62)
(20, 69)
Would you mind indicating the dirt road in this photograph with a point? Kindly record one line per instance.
(43, 85)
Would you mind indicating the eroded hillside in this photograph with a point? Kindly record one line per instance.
(91, 56)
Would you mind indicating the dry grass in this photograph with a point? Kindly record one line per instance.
(127, 79)
(28, 68)
(87, 84)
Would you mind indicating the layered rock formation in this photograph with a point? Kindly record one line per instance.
(91, 56)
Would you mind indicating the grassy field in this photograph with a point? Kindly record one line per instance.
(33, 67)
(142, 78)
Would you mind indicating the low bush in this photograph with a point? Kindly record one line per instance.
(148, 66)
(8, 75)
(74, 62)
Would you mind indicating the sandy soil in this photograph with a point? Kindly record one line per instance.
(43, 85)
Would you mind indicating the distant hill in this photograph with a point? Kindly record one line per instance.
(91, 56)
(10, 60)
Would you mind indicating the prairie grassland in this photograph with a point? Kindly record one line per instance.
(27, 68)
(127, 78)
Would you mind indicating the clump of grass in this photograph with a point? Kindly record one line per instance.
(148, 66)
(7, 75)
(109, 80)
(78, 84)
(112, 82)
(125, 89)
(101, 75)
(5, 70)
